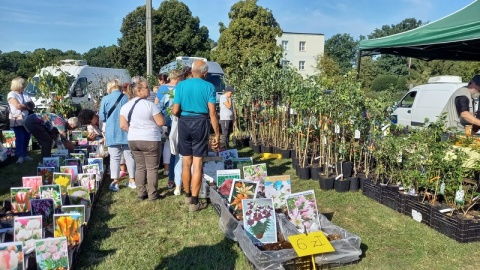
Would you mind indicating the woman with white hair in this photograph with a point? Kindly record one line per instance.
(46, 127)
(19, 109)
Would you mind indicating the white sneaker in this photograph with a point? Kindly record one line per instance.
(132, 185)
(177, 192)
(27, 158)
(20, 160)
(165, 172)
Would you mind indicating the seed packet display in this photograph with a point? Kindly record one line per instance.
(67, 225)
(95, 169)
(75, 210)
(52, 192)
(257, 173)
(241, 189)
(52, 253)
(11, 256)
(98, 161)
(278, 188)
(44, 208)
(52, 162)
(224, 181)
(210, 167)
(61, 158)
(87, 180)
(259, 220)
(47, 174)
(239, 163)
(33, 182)
(26, 230)
(79, 195)
(228, 156)
(79, 156)
(20, 199)
(64, 180)
(72, 170)
(303, 212)
(77, 135)
(73, 162)
(61, 152)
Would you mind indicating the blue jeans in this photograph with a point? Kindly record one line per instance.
(22, 137)
(177, 170)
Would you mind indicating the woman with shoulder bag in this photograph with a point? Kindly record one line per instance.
(20, 105)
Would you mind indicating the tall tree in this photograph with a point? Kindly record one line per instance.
(101, 56)
(250, 38)
(342, 48)
(175, 32)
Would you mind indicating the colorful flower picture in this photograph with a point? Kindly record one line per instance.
(44, 208)
(223, 175)
(257, 173)
(64, 180)
(225, 189)
(278, 188)
(74, 162)
(20, 198)
(47, 174)
(52, 162)
(11, 256)
(52, 192)
(259, 220)
(61, 152)
(69, 226)
(87, 180)
(79, 156)
(98, 161)
(302, 210)
(79, 195)
(241, 189)
(27, 230)
(75, 210)
(210, 167)
(52, 253)
(228, 156)
(33, 182)
(72, 170)
(93, 168)
(77, 135)
(82, 150)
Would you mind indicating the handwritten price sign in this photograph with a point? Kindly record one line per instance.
(313, 243)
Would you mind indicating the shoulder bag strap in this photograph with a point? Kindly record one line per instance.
(131, 110)
(115, 105)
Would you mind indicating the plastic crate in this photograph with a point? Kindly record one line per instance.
(414, 208)
(390, 196)
(371, 191)
(455, 227)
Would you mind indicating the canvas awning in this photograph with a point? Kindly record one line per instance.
(454, 37)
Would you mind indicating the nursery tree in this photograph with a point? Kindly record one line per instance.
(252, 31)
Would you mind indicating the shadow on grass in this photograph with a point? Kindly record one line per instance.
(364, 249)
(97, 231)
(218, 256)
(276, 167)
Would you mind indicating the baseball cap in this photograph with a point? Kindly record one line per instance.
(229, 88)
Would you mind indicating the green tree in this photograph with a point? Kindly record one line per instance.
(175, 32)
(385, 83)
(249, 37)
(101, 56)
(342, 49)
(9, 65)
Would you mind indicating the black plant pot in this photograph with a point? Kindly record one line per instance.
(304, 173)
(327, 183)
(245, 142)
(285, 153)
(250, 144)
(347, 169)
(294, 162)
(342, 185)
(354, 183)
(257, 148)
(314, 170)
(293, 153)
(267, 149)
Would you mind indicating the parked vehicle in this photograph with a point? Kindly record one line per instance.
(87, 84)
(425, 101)
(4, 111)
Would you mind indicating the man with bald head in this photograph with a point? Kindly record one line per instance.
(193, 104)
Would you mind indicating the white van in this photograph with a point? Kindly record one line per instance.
(426, 101)
(87, 84)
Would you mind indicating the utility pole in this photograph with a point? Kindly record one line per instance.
(149, 38)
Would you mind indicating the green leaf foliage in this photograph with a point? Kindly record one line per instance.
(342, 49)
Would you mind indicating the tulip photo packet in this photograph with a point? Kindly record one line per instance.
(210, 167)
(87, 180)
(228, 156)
(257, 173)
(278, 188)
(225, 180)
(52, 253)
(79, 156)
(98, 161)
(77, 135)
(52, 192)
(52, 162)
(33, 182)
(95, 169)
(61, 152)
(64, 180)
(11, 256)
(47, 174)
(20, 198)
(73, 162)
(75, 210)
(79, 195)
(26, 230)
(44, 208)
(240, 190)
(72, 170)
(259, 220)
(69, 226)
(303, 212)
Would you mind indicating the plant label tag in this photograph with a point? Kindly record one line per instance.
(339, 176)
(417, 216)
(337, 129)
(313, 243)
(357, 134)
(446, 210)
(324, 140)
(442, 188)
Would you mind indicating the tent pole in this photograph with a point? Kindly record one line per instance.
(359, 62)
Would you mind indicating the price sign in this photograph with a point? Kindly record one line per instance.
(313, 243)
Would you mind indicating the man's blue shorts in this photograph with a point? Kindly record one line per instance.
(193, 134)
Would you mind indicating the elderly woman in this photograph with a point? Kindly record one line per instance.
(115, 138)
(19, 110)
(142, 120)
(46, 127)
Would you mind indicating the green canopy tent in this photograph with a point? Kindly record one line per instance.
(454, 37)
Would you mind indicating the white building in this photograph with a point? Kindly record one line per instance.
(301, 50)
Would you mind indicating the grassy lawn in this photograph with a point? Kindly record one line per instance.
(127, 234)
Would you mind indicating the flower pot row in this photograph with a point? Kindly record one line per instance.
(339, 185)
(455, 226)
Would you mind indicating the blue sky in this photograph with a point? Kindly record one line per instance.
(81, 25)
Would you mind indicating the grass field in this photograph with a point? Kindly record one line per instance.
(127, 234)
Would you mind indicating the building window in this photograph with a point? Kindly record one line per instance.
(285, 63)
(301, 65)
(301, 46)
(285, 45)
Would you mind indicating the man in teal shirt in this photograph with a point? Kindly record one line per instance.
(193, 103)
